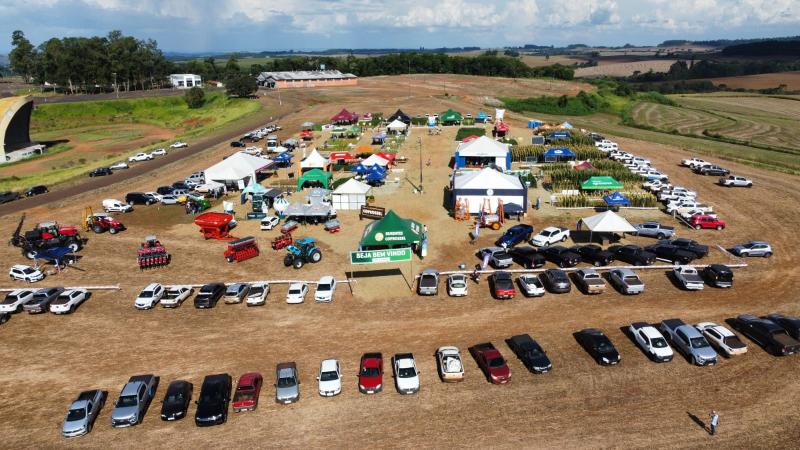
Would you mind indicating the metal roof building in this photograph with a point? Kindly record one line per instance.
(306, 78)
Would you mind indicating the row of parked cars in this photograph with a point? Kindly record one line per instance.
(141, 156)
(177, 193)
(726, 179)
(57, 300)
(10, 196)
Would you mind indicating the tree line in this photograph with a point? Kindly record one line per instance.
(681, 70)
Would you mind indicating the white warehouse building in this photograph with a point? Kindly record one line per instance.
(185, 80)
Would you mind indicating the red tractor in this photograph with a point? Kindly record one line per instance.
(282, 241)
(152, 254)
(100, 222)
(215, 225)
(241, 249)
(44, 236)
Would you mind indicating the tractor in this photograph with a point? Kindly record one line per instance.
(44, 236)
(302, 251)
(100, 222)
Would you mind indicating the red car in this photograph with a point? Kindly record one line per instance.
(503, 285)
(247, 391)
(370, 376)
(704, 221)
(492, 363)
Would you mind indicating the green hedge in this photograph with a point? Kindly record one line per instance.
(638, 200)
(465, 132)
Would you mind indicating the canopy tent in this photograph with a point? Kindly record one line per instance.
(401, 116)
(284, 157)
(391, 231)
(483, 151)
(450, 117)
(377, 168)
(375, 177)
(586, 165)
(254, 188)
(351, 195)
(501, 128)
(363, 148)
(344, 117)
(340, 157)
(481, 117)
(315, 177)
(236, 168)
(355, 130)
(377, 139)
(367, 117)
(387, 156)
(601, 184)
(558, 135)
(567, 125)
(397, 126)
(306, 135)
(616, 198)
(360, 169)
(375, 159)
(471, 137)
(557, 154)
(314, 161)
(533, 123)
(607, 222)
(475, 187)
(308, 126)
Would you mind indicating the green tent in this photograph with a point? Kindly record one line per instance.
(354, 130)
(601, 184)
(391, 232)
(322, 177)
(254, 188)
(450, 116)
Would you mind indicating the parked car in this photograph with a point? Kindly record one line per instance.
(593, 254)
(691, 162)
(598, 345)
(296, 293)
(370, 373)
(236, 292)
(326, 286)
(688, 340)
(706, 222)
(140, 198)
(159, 152)
(700, 250)
(561, 256)
(722, 339)
(654, 229)
(165, 190)
(258, 294)
(457, 285)
(688, 277)
(329, 378)
(175, 295)
(176, 400)
(550, 236)
(428, 283)
(114, 205)
(8, 196)
(498, 257)
(626, 281)
(530, 285)
(212, 406)
(82, 413)
(179, 144)
(119, 166)
(209, 295)
(671, 253)
(713, 170)
(651, 341)
(245, 398)
(237, 144)
(530, 353)
(515, 235)
(149, 296)
(753, 248)
(527, 257)
(589, 281)
(15, 300)
(169, 199)
(735, 181)
(269, 222)
(22, 272)
(41, 300)
(718, 275)
(36, 190)
(68, 301)
(502, 285)
(134, 400)
(556, 281)
(766, 333)
(633, 254)
(140, 157)
(789, 323)
(100, 172)
(406, 375)
(492, 363)
(451, 367)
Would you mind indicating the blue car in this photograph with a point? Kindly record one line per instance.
(515, 235)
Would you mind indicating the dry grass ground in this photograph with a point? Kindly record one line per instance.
(539, 61)
(48, 359)
(624, 68)
(762, 81)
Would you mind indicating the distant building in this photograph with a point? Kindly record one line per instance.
(185, 80)
(306, 78)
(15, 124)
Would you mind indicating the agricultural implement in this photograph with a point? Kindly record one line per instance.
(282, 241)
(152, 254)
(301, 252)
(216, 225)
(491, 219)
(45, 236)
(333, 226)
(241, 249)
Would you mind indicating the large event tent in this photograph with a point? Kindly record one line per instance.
(483, 151)
(476, 186)
(391, 232)
(344, 117)
(315, 177)
(236, 168)
(350, 195)
(313, 161)
(607, 222)
(601, 184)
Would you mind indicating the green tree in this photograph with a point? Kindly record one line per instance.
(240, 85)
(195, 97)
(23, 56)
(232, 66)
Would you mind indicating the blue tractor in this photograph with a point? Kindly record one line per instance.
(302, 251)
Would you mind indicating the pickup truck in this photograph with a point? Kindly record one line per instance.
(140, 157)
(654, 229)
(689, 341)
(451, 368)
(692, 162)
(688, 277)
(651, 341)
(675, 193)
(687, 205)
(735, 180)
(428, 282)
(133, 401)
(492, 363)
(590, 281)
(549, 236)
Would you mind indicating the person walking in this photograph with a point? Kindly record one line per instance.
(714, 423)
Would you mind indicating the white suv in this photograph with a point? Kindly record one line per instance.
(149, 296)
(16, 299)
(651, 341)
(25, 273)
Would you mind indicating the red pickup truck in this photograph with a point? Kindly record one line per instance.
(492, 363)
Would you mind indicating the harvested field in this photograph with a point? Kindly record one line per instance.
(539, 61)
(762, 81)
(624, 69)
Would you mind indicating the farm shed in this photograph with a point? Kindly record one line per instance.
(601, 184)
(313, 161)
(315, 177)
(235, 169)
(401, 116)
(483, 151)
(477, 186)
(185, 80)
(391, 232)
(351, 195)
(450, 117)
(557, 154)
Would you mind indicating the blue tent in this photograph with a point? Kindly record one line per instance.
(374, 176)
(559, 135)
(616, 198)
(556, 154)
(377, 168)
(283, 157)
(54, 254)
(533, 123)
(567, 125)
(360, 169)
(481, 117)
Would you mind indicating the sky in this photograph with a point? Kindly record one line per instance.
(258, 25)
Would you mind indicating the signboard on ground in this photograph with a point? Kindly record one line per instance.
(380, 256)
(372, 212)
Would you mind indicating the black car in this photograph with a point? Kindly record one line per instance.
(165, 190)
(8, 196)
(672, 253)
(527, 257)
(139, 198)
(556, 281)
(598, 345)
(718, 275)
(181, 185)
(176, 401)
(713, 170)
(594, 254)
(561, 256)
(212, 406)
(100, 172)
(209, 295)
(4, 317)
(41, 300)
(237, 144)
(789, 323)
(36, 190)
(766, 333)
(530, 353)
(502, 285)
(689, 245)
(633, 254)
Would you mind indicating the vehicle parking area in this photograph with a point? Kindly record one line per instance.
(48, 359)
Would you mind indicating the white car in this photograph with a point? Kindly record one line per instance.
(296, 293)
(258, 294)
(549, 236)
(159, 152)
(25, 273)
(692, 161)
(169, 199)
(140, 157)
(651, 341)
(722, 338)
(457, 285)
(325, 289)
(330, 378)
(179, 144)
(149, 296)
(269, 222)
(16, 299)
(236, 292)
(406, 375)
(119, 165)
(175, 295)
(688, 214)
(531, 285)
(68, 301)
(155, 195)
(735, 180)
(114, 205)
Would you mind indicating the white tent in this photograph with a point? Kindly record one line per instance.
(314, 161)
(477, 186)
(375, 159)
(210, 186)
(483, 150)
(397, 125)
(350, 195)
(608, 222)
(236, 168)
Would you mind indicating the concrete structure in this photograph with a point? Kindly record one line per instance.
(15, 124)
(306, 78)
(185, 80)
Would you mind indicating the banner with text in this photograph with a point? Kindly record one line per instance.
(380, 256)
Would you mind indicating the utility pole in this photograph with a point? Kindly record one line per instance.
(419, 146)
(116, 90)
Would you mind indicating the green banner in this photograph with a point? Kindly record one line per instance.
(380, 256)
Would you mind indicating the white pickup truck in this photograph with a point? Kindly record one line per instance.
(549, 236)
(691, 162)
(676, 193)
(688, 277)
(735, 180)
(686, 205)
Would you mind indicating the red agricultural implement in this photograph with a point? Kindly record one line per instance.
(241, 249)
(282, 241)
(215, 225)
(152, 254)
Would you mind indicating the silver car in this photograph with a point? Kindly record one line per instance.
(236, 292)
(626, 281)
(82, 413)
(287, 385)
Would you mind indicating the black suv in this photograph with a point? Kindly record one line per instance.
(36, 190)
(633, 254)
(561, 256)
(237, 144)
(689, 245)
(165, 190)
(594, 254)
(672, 253)
(139, 198)
(209, 295)
(212, 406)
(100, 172)
(8, 196)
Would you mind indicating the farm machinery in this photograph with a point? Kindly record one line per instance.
(282, 241)
(152, 254)
(100, 222)
(216, 225)
(46, 236)
(241, 249)
(301, 252)
(491, 219)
